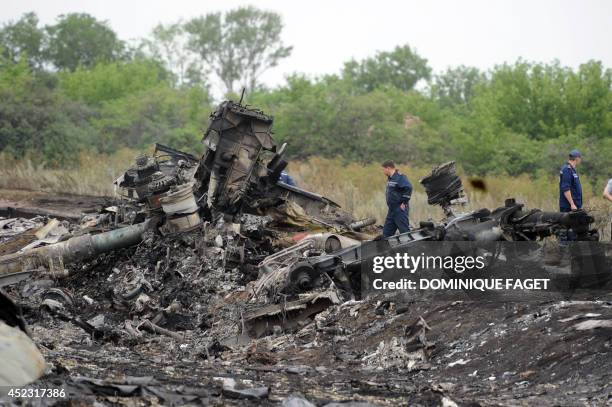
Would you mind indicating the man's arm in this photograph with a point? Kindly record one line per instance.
(566, 185)
(568, 195)
(405, 188)
(607, 193)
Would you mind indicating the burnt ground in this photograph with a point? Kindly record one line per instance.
(504, 354)
(16, 203)
(382, 350)
(476, 353)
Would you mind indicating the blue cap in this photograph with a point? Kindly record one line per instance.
(575, 154)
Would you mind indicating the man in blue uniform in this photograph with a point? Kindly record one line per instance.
(286, 179)
(570, 190)
(398, 195)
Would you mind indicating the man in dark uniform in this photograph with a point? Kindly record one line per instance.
(398, 195)
(570, 190)
(286, 179)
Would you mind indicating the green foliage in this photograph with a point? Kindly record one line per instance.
(238, 45)
(401, 68)
(34, 119)
(78, 39)
(103, 109)
(14, 75)
(327, 118)
(514, 119)
(526, 117)
(520, 118)
(23, 39)
(548, 101)
(456, 87)
(109, 81)
(168, 44)
(158, 114)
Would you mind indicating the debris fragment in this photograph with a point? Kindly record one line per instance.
(22, 362)
(409, 352)
(458, 362)
(576, 317)
(159, 330)
(296, 401)
(593, 324)
(287, 315)
(234, 389)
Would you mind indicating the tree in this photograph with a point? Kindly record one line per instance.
(456, 86)
(588, 94)
(401, 68)
(23, 39)
(239, 45)
(35, 119)
(547, 101)
(109, 81)
(168, 44)
(158, 114)
(325, 117)
(78, 39)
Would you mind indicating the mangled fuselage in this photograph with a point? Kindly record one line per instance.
(239, 172)
(232, 166)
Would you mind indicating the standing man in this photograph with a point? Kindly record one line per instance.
(570, 190)
(398, 194)
(286, 179)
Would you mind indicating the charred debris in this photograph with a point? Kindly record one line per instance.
(230, 205)
(215, 251)
(231, 199)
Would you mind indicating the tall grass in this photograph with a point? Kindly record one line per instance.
(90, 175)
(361, 189)
(357, 188)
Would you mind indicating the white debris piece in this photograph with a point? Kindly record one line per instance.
(22, 362)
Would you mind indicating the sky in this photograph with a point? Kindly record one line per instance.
(326, 33)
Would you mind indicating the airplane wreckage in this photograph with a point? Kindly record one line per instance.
(225, 219)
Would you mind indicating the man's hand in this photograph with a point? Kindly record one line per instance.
(403, 206)
(568, 196)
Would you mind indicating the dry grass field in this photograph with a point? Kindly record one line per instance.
(358, 188)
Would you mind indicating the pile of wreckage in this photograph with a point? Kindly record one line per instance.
(216, 254)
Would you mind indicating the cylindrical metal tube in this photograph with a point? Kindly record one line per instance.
(118, 238)
(360, 224)
(76, 248)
